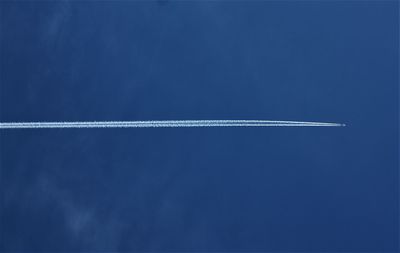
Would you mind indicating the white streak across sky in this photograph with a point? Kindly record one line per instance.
(166, 124)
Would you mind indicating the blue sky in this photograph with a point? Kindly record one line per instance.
(200, 189)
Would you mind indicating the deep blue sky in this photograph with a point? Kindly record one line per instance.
(204, 189)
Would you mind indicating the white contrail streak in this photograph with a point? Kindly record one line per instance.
(166, 123)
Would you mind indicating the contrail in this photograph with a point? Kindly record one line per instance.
(166, 123)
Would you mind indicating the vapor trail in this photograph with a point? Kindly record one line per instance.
(166, 123)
